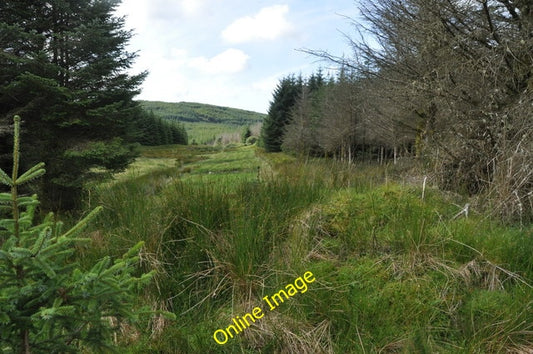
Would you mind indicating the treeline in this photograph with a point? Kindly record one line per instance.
(200, 112)
(448, 82)
(323, 116)
(152, 130)
(63, 69)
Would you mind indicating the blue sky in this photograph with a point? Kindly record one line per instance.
(231, 52)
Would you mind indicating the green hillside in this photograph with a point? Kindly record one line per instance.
(199, 112)
(204, 123)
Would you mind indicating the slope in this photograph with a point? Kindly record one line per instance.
(204, 122)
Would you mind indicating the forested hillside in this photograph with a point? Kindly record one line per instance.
(204, 123)
(200, 112)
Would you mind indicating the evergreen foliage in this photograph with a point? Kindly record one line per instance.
(47, 302)
(279, 112)
(301, 133)
(62, 67)
(154, 131)
(246, 133)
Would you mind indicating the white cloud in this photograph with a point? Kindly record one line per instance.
(266, 85)
(172, 80)
(268, 24)
(229, 61)
(184, 46)
(192, 7)
(135, 14)
(142, 14)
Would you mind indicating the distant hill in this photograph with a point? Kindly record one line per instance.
(202, 113)
(205, 123)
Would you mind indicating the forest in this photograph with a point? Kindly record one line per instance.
(447, 82)
(198, 112)
(383, 206)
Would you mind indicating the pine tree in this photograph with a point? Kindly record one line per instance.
(159, 132)
(179, 135)
(151, 130)
(278, 117)
(167, 133)
(246, 133)
(300, 135)
(48, 303)
(62, 67)
(184, 137)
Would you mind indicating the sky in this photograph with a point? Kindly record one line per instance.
(231, 52)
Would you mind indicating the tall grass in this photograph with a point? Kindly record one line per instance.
(207, 133)
(395, 272)
(228, 233)
(413, 280)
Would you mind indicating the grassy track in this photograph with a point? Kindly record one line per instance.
(395, 273)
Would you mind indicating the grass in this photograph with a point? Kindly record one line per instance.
(394, 273)
(207, 133)
(230, 160)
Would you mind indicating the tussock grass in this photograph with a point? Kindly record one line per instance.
(395, 273)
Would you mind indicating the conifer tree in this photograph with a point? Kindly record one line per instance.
(167, 133)
(48, 303)
(179, 135)
(160, 132)
(151, 130)
(284, 98)
(246, 133)
(62, 67)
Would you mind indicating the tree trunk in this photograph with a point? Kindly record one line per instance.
(25, 342)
